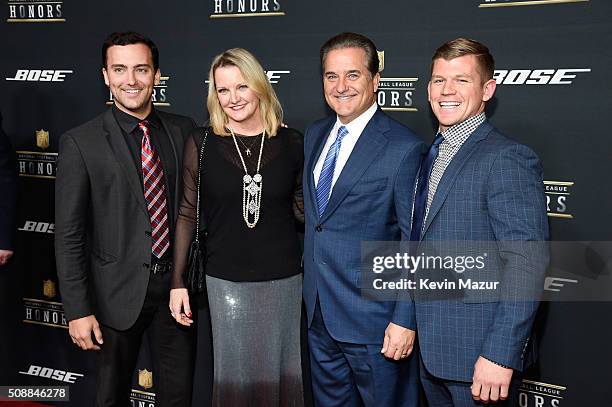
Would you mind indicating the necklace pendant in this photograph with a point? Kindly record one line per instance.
(251, 185)
(252, 189)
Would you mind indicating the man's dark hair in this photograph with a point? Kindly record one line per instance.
(128, 38)
(352, 40)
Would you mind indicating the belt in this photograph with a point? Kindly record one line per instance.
(161, 268)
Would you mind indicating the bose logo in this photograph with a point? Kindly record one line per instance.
(38, 75)
(274, 76)
(556, 283)
(536, 76)
(40, 227)
(63, 376)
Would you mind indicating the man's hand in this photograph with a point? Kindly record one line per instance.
(179, 306)
(490, 382)
(5, 256)
(80, 331)
(398, 342)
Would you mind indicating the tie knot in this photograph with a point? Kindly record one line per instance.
(143, 125)
(342, 131)
(439, 139)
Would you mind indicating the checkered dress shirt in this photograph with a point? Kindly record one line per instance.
(454, 137)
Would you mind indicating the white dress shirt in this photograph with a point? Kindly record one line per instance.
(355, 128)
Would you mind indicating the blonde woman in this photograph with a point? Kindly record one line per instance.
(251, 195)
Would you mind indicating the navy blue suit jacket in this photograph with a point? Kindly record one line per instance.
(370, 201)
(492, 191)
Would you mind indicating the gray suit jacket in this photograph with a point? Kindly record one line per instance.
(102, 227)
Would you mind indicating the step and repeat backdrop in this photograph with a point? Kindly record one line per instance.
(553, 64)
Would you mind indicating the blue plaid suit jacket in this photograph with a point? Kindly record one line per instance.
(371, 201)
(491, 191)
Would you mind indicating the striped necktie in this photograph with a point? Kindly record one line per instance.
(327, 172)
(154, 194)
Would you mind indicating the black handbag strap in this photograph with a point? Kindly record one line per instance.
(201, 155)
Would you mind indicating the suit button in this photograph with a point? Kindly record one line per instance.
(318, 228)
(145, 265)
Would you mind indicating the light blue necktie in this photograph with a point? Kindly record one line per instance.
(327, 172)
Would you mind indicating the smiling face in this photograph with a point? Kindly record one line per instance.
(239, 102)
(349, 87)
(457, 90)
(130, 76)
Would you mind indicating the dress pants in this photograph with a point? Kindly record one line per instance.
(448, 393)
(172, 353)
(348, 374)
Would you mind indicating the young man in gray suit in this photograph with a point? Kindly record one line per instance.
(116, 198)
(476, 185)
(359, 172)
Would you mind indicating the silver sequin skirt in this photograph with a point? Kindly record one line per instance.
(256, 342)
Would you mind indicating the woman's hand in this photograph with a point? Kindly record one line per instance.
(179, 306)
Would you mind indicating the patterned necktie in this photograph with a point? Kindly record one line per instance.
(420, 200)
(154, 194)
(327, 172)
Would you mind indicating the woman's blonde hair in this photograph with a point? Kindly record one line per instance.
(256, 79)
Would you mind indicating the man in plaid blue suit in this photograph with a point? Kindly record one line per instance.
(476, 185)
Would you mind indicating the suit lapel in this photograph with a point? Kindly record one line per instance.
(118, 145)
(317, 148)
(369, 145)
(453, 169)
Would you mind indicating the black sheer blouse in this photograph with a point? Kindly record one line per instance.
(235, 252)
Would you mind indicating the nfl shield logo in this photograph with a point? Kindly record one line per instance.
(145, 378)
(381, 60)
(42, 139)
(49, 290)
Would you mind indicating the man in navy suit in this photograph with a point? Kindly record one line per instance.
(477, 185)
(360, 168)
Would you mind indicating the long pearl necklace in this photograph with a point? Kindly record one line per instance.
(251, 186)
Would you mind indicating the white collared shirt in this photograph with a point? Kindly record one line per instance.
(355, 128)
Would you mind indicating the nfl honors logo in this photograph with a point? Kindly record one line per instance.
(159, 96)
(538, 394)
(395, 94)
(35, 11)
(45, 312)
(145, 379)
(558, 194)
(37, 164)
(142, 397)
(246, 8)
